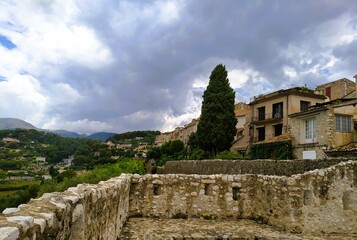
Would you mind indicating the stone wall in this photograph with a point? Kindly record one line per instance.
(317, 201)
(83, 212)
(312, 202)
(265, 167)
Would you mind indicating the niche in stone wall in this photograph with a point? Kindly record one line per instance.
(235, 192)
(349, 200)
(308, 197)
(208, 189)
(133, 187)
(157, 189)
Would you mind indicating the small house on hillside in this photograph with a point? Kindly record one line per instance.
(10, 140)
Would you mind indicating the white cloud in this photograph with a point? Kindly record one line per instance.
(191, 110)
(21, 97)
(52, 35)
(289, 71)
(63, 93)
(238, 77)
(129, 16)
(168, 11)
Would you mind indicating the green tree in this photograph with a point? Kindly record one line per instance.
(217, 125)
(176, 146)
(2, 174)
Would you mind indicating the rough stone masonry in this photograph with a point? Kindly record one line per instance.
(314, 202)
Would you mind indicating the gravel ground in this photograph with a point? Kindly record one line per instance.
(150, 229)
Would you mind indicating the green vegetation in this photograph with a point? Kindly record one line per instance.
(228, 155)
(18, 156)
(14, 193)
(100, 173)
(143, 136)
(274, 150)
(33, 143)
(172, 150)
(217, 125)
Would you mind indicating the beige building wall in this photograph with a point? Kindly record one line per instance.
(180, 133)
(291, 104)
(337, 89)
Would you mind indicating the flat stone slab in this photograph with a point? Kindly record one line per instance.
(150, 229)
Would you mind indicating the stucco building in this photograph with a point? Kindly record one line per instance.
(270, 112)
(241, 140)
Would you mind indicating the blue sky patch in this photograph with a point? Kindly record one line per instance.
(2, 78)
(6, 42)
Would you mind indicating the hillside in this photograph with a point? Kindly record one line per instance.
(65, 133)
(13, 123)
(141, 136)
(102, 136)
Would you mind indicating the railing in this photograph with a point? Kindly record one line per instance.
(268, 116)
(255, 139)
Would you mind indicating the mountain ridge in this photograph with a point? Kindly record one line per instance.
(14, 123)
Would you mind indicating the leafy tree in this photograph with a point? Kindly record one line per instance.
(229, 155)
(53, 171)
(2, 174)
(198, 154)
(176, 146)
(193, 141)
(216, 128)
(154, 153)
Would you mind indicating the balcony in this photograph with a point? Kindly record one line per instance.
(269, 117)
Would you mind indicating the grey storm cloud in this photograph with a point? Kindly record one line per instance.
(159, 50)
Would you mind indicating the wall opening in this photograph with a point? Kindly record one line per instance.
(349, 200)
(308, 197)
(157, 189)
(133, 187)
(235, 191)
(208, 189)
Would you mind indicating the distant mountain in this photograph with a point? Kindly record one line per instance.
(102, 136)
(13, 123)
(65, 133)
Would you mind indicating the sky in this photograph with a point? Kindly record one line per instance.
(117, 66)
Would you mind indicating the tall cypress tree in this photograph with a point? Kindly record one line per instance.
(217, 125)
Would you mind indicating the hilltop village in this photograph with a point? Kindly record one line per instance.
(314, 124)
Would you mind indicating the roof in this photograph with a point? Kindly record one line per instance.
(281, 138)
(300, 91)
(348, 147)
(331, 83)
(324, 106)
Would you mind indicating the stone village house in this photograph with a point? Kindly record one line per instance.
(324, 127)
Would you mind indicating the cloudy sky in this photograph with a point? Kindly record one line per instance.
(116, 65)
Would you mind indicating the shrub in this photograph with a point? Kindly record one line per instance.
(228, 155)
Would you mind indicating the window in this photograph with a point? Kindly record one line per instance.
(310, 129)
(328, 92)
(278, 129)
(304, 105)
(261, 133)
(261, 113)
(343, 123)
(278, 110)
